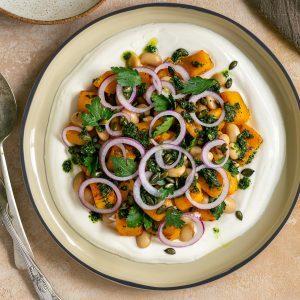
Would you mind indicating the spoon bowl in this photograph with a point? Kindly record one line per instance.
(8, 109)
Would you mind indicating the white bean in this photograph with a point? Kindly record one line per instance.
(142, 105)
(134, 61)
(187, 232)
(143, 240)
(76, 120)
(103, 135)
(232, 131)
(77, 181)
(150, 59)
(177, 172)
(133, 116)
(220, 78)
(211, 103)
(195, 151)
(225, 138)
(233, 151)
(230, 205)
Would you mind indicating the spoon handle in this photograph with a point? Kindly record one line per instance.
(40, 282)
(13, 210)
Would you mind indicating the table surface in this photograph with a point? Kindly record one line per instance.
(24, 49)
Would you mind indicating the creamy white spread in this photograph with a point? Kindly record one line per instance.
(246, 79)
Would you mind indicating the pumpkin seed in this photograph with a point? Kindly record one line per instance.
(123, 121)
(170, 251)
(155, 178)
(233, 65)
(171, 180)
(169, 185)
(164, 174)
(161, 210)
(239, 215)
(203, 101)
(161, 182)
(124, 188)
(168, 159)
(247, 172)
(228, 83)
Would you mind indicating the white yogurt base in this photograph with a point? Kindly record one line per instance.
(246, 79)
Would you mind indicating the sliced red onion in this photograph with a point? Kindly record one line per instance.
(122, 147)
(92, 207)
(116, 132)
(179, 96)
(149, 93)
(64, 134)
(126, 103)
(101, 92)
(160, 161)
(169, 86)
(207, 147)
(199, 232)
(137, 195)
(155, 79)
(180, 119)
(178, 69)
(118, 141)
(142, 173)
(221, 197)
(195, 98)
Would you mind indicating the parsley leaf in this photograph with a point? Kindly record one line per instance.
(97, 112)
(123, 166)
(136, 217)
(160, 102)
(127, 76)
(197, 85)
(173, 217)
(148, 222)
(165, 126)
(165, 192)
(91, 162)
(218, 210)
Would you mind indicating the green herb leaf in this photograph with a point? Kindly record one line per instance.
(94, 217)
(147, 221)
(165, 126)
(230, 111)
(173, 217)
(127, 76)
(97, 112)
(218, 210)
(197, 85)
(135, 217)
(165, 192)
(244, 183)
(178, 54)
(160, 102)
(91, 162)
(210, 176)
(132, 131)
(123, 166)
(230, 166)
(67, 166)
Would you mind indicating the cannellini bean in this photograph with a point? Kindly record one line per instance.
(187, 232)
(143, 240)
(76, 120)
(107, 218)
(187, 172)
(78, 180)
(146, 113)
(134, 61)
(210, 156)
(230, 205)
(195, 151)
(233, 151)
(177, 172)
(201, 107)
(205, 199)
(134, 116)
(211, 103)
(225, 138)
(220, 78)
(232, 131)
(166, 78)
(148, 119)
(88, 196)
(103, 135)
(150, 59)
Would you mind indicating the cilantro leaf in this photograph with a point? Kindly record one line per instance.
(91, 162)
(165, 192)
(147, 221)
(197, 85)
(173, 217)
(97, 112)
(127, 76)
(135, 217)
(160, 102)
(123, 166)
(165, 126)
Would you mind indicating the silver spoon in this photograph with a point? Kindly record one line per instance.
(8, 118)
(40, 282)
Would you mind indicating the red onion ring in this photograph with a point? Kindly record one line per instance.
(64, 134)
(126, 103)
(195, 98)
(178, 69)
(137, 195)
(155, 79)
(117, 141)
(116, 132)
(207, 147)
(101, 92)
(142, 173)
(160, 161)
(179, 118)
(221, 197)
(92, 207)
(199, 232)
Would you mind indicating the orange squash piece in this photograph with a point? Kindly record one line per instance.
(146, 78)
(202, 58)
(85, 97)
(99, 199)
(171, 232)
(111, 88)
(143, 126)
(233, 183)
(129, 188)
(193, 128)
(158, 217)
(168, 135)
(206, 215)
(116, 151)
(123, 229)
(215, 192)
(74, 137)
(243, 114)
(253, 143)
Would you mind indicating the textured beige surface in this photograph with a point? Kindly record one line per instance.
(274, 274)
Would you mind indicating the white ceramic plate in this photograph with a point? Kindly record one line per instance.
(279, 199)
(48, 11)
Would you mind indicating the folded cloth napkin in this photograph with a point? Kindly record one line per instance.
(283, 15)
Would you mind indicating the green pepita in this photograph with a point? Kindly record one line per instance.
(239, 215)
(169, 185)
(170, 251)
(228, 83)
(155, 178)
(233, 65)
(247, 172)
